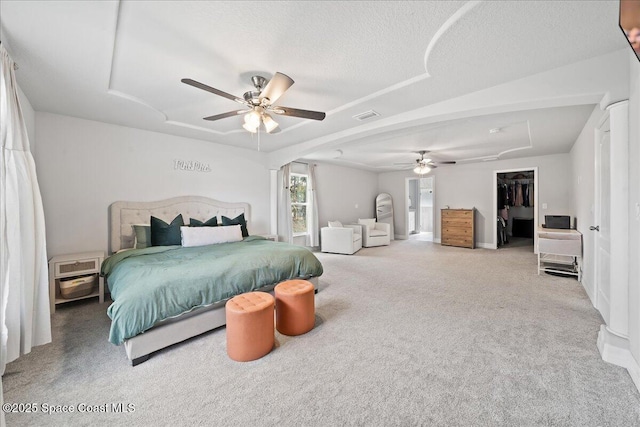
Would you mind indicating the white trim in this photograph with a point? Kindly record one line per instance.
(634, 372)
(273, 201)
(619, 197)
(536, 204)
(485, 245)
(614, 348)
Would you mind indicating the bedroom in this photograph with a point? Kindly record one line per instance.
(109, 116)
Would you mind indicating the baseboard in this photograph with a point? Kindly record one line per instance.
(634, 372)
(589, 290)
(436, 240)
(614, 348)
(486, 245)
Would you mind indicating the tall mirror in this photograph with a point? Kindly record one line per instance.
(384, 210)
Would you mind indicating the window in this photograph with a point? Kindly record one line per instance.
(299, 203)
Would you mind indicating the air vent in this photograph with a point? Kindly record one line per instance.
(366, 115)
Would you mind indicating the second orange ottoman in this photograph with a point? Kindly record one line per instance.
(295, 307)
(249, 326)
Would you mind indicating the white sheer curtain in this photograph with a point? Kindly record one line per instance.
(313, 238)
(285, 227)
(24, 289)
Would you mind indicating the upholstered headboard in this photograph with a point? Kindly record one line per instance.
(122, 215)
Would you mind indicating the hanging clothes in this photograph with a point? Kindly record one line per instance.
(531, 198)
(519, 199)
(503, 196)
(525, 195)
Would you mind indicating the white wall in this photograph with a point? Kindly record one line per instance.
(340, 189)
(634, 211)
(84, 166)
(583, 159)
(471, 185)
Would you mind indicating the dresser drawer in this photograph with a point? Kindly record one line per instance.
(458, 241)
(455, 232)
(77, 267)
(456, 214)
(456, 222)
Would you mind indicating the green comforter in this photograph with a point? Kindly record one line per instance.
(152, 284)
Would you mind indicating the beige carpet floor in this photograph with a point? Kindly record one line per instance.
(410, 334)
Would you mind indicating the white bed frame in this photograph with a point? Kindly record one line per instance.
(122, 215)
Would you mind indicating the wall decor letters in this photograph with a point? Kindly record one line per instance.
(191, 165)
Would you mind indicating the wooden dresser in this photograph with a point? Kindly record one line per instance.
(457, 227)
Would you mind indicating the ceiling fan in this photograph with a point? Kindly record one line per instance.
(260, 102)
(423, 166)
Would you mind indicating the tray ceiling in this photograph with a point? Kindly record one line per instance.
(121, 63)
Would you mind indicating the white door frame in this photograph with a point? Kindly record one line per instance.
(535, 204)
(406, 205)
(613, 341)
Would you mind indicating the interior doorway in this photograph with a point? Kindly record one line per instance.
(516, 208)
(420, 208)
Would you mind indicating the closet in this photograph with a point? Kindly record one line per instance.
(515, 208)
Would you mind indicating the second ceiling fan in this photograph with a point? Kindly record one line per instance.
(422, 165)
(260, 102)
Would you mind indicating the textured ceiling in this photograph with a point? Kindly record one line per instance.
(121, 62)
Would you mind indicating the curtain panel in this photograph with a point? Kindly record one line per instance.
(24, 287)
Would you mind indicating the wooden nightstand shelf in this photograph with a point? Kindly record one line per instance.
(74, 265)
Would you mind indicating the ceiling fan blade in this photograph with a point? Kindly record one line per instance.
(213, 90)
(405, 164)
(294, 112)
(446, 163)
(225, 115)
(276, 87)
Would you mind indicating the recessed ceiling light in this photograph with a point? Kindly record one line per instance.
(494, 130)
(366, 115)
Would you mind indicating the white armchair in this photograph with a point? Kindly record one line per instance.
(341, 239)
(375, 233)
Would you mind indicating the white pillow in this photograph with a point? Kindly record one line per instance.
(201, 236)
(335, 224)
(371, 222)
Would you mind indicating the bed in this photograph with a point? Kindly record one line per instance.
(163, 295)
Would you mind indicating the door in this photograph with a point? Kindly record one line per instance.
(602, 227)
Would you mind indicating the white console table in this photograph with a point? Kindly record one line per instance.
(560, 251)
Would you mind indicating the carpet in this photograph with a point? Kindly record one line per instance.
(409, 334)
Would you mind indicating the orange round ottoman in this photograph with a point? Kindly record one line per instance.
(295, 307)
(249, 326)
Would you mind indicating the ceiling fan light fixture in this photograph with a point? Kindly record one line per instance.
(250, 127)
(422, 169)
(269, 124)
(252, 118)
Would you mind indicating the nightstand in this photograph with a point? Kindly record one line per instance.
(74, 265)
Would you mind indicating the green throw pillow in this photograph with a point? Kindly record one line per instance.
(143, 235)
(163, 234)
(211, 222)
(239, 220)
